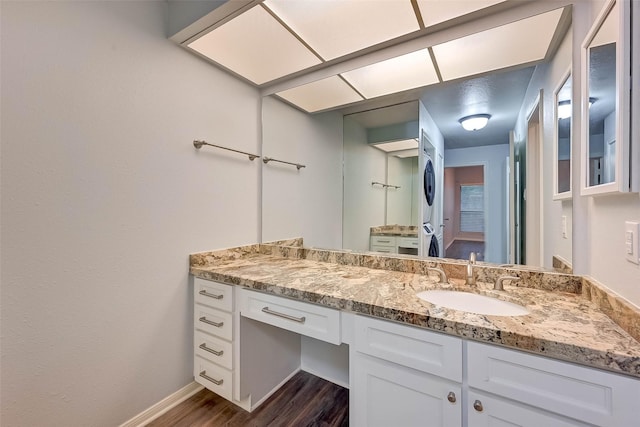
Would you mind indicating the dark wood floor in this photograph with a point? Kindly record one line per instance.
(460, 249)
(305, 400)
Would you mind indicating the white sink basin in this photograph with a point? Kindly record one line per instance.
(473, 303)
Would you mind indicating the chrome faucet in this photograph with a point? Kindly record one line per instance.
(471, 281)
(499, 286)
(443, 275)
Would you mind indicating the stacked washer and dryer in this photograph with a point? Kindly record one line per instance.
(430, 242)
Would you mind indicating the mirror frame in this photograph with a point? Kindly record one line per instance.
(622, 132)
(565, 195)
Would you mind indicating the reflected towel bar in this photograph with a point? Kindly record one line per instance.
(385, 185)
(198, 144)
(266, 160)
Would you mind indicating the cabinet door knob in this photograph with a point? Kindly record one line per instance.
(451, 397)
(477, 405)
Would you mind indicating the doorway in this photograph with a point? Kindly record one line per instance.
(531, 201)
(464, 212)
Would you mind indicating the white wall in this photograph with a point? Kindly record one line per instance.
(305, 203)
(103, 198)
(493, 157)
(402, 172)
(364, 204)
(548, 77)
(603, 233)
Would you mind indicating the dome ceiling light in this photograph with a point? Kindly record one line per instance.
(475, 122)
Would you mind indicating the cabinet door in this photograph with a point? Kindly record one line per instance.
(386, 394)
(489, 411)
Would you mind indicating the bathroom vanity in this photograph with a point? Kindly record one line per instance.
(408, 362)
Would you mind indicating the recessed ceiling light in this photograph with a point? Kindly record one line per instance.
(393, 75)
(336, 28)
(391, 146)
(475, 122)
(321, 94)
(497, 48)
(436, 11)
(255, 46)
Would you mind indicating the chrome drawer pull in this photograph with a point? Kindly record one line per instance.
(204, 375)
(207, 294)
(284, 316)
(212, 323)
(210, 350)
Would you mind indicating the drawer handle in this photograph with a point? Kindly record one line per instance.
(207, 294)
(384, 241)
(204, 375)
(477, 405)
(210, 350)
(203, 319)
(284, 316)
(451, 397)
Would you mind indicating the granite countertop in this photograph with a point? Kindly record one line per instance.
(395, 230)
(561, 325)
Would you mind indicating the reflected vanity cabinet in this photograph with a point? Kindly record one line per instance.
(610, 104)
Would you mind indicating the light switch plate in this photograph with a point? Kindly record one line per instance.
(631, 239)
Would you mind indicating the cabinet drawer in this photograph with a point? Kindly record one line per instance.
(416, 348)
(586, 394)
(389, 241)
(408, 242)
(213, 294)
(215, 322)
(306, 319)
(213, 377)
(384, 249)
(214, 349)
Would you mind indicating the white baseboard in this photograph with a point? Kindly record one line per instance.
(163, 406)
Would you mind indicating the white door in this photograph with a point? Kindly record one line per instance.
(387, 394)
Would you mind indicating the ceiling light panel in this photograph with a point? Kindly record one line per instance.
(516, 43)
(255, 46)
(394, 75)
(335, 28)
(321, 95)
(437, 11)
(405, 144)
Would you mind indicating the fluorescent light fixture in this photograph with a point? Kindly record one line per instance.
(391, 146)
(475, 122)
(393, 75)
(497, 48)
(321, 94)
(255, 46)
(437, 11)
(406, 153)
(336, 28)
(564, 109)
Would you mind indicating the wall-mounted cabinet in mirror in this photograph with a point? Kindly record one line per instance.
(605, 102)
(562, 165)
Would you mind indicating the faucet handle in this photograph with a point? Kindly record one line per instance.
(499, 286)
(472, 257)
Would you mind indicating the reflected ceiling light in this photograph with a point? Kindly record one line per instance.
(391, 146)
(564, 109)
(475, 122)
(407, 153)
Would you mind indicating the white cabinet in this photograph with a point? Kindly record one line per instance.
(213, 336)
(384, 244)
(386, 394)
(568, 394)
(404, 376)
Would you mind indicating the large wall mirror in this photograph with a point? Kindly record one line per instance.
(605, 104)
(373, 161)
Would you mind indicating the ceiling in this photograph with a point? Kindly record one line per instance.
(500, 94)
(275, 40)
